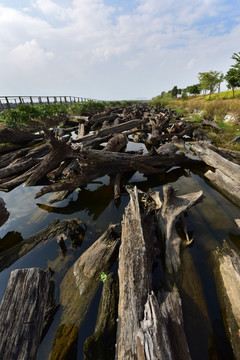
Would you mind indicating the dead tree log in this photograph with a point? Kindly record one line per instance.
(172, 208)
(117, 143)
(80, 285)
(227, 276)
(226, 177)
(149, 327)
(9, 135)
(4, 214)
(22, 312)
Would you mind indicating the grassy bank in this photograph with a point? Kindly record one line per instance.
(216, 108)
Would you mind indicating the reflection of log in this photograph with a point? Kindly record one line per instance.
(227, 174)
(8, 257)
(227, 275)
(4, 214)
(22, 313)
(82, 280)
(169, 214)
(101, 345)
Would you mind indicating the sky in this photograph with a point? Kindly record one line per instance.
(113, 49)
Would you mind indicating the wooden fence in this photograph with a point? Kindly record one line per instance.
(12, 102)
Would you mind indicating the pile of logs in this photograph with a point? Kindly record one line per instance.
(136, 319)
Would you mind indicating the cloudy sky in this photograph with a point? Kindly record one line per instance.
(113, 49)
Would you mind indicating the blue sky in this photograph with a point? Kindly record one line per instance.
(107, 49)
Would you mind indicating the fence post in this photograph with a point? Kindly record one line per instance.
(8, 105)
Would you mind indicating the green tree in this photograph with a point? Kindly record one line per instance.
(233, 78)
(210, 80)
(236, 57)
(174, 91)
(194, 89)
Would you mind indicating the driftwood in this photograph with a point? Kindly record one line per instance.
(9, 135)
(80, 285)
(22, 313)
(226, 177)
(149, 327)
(9, 256)
(227, 275)
(171, 210)
(101, 345)
(4, 214)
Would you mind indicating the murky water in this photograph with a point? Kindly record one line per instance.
(209, 223)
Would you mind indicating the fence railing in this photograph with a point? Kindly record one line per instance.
(12, 102)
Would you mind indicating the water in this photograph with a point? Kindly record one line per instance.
(209, 223)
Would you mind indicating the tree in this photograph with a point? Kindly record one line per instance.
(210, 80)
(236, 57)
(194, 89)
(233, 79)
(174, 91)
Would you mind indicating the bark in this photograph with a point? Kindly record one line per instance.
(169, 214)
(117, 143)
(22, 312)
(17, 168)
(227, 276)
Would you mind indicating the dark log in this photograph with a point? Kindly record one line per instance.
(22, 312)
(99, 163)
(101, 345)
(169, 214)
(9, 135)
(9, 256)
(212, 124)
(81, 282)
(68, 347)
(4, 214)
(10, 183)
(17, 168)
(227, 276)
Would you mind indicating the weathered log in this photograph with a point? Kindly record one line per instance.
(227, 174)
(82, 280)
(237, 222)
(224, 184)
(156, 332)
(17, 168)
(227, 276)
(8, 135)
(161, 334)
(210, 156)
(4, 214)
(135, 277)
(101, 345)
(10, 183)
(9, 256)
(168, 215)
(212, 124)
(99, 163)
(22, 312)
(117, 143)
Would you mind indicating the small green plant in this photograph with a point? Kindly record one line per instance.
(103, 277)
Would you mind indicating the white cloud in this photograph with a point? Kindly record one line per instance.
(84, 44)
(29, 54)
